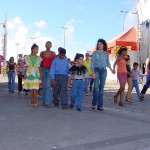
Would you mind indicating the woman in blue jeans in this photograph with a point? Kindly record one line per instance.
(99, 62)
(11, 67)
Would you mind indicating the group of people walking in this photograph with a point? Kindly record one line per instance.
(55, 72)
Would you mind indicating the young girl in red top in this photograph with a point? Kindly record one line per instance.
(121, 73)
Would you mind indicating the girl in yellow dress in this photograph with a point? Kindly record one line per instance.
(33, 73)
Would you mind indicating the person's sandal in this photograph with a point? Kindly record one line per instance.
(115, 99)
(93, 107)
(35, 105)
(128, 100)
(121, 104)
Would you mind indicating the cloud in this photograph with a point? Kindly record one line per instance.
(10, 25)
(17, 20)
(130, 20)
(40, 24)
(19, 32)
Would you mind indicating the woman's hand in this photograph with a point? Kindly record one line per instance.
(113, 71)
(25, 76)
(93, 75)
(53, 83)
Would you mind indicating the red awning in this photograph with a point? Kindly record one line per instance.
(127, 38)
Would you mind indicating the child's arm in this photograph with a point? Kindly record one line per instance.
(115, 63)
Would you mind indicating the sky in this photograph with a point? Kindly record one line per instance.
(86, 21)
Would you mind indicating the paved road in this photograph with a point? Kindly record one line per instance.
(25, 128)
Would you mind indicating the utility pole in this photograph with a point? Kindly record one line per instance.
(124, 12)
(138, 35)
(17, 50)
(5, 38)
(32, 38)
(64, 28)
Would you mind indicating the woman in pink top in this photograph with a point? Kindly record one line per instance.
(121, 73)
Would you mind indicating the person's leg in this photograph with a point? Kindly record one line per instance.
(44, 85)
(87, 80)
(19, 83)
(122, 79)
(96, 89)
(9, 81)
(80, 93)
(63, 91)
(145, 87)
(103, 75)
(56, 90)
(73, 92)
(129, 81)
(46, 90)
(11, 87)
(122, 93)
(32, 97)
(13, 81)
(137, 88)
(91, 84)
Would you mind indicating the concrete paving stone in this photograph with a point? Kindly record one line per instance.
(116, 128)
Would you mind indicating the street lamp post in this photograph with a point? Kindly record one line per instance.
(32, 38)
(17, 50)
(5, 38)
(124, 12)
(64, 28)
(138, 35)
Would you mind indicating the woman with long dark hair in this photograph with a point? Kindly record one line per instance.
(11, 67)
(99, 62)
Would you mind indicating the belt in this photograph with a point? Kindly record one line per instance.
(77, 79)
(46, 67)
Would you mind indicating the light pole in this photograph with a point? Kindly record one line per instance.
(5, 38)
(124, 12)
(32, 38)
(64, 28)
(138, 35)
(17, 50)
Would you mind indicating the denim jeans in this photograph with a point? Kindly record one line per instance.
(46, 86)
(11, 80)
(77, 93)
(60, 90)
(87, 82)
(99, 83)
(136, 85)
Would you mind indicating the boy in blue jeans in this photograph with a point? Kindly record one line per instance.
(136, 74)
(77, 73)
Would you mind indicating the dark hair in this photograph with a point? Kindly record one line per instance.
(78, 56)
(33, 47)
(59, 48)
(135, 64)
(10, 58)
(62, 51)
(122, 49)
(104, 44)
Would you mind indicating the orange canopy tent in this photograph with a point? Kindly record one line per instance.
(128, 38)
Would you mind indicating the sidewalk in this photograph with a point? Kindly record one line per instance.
(116, 128)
